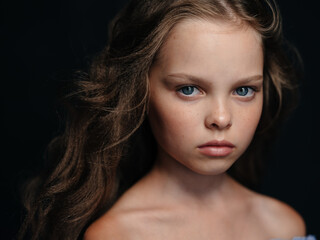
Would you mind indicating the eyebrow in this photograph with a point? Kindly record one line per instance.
(198, 80)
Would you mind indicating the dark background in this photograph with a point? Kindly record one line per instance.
(44, 40)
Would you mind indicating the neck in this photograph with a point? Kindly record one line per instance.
(178, 181)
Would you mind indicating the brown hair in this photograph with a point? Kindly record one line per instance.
(106, 145)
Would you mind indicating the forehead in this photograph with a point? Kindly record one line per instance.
(210, 47)
(193, 28)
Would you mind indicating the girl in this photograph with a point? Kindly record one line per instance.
(173, 117)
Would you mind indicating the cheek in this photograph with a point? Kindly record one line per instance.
(250, 120)
(171, 123)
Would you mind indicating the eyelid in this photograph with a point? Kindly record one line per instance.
(254, 88)
(187, 85)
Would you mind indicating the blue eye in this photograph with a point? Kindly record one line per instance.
(189, 90)
(244, 91)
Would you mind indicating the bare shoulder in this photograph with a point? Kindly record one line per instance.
(273, 217)
(279, 218)
(109, 226)
(124, 223)
(117, 224)
(128, 217)
(125, 220)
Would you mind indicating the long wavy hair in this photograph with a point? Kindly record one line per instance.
(107, 145)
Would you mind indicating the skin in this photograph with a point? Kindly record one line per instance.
(205, 85)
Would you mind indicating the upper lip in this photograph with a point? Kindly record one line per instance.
(218, 143)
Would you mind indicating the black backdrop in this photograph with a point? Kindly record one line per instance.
(43, 40)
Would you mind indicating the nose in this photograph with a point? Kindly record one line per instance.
(219, 116)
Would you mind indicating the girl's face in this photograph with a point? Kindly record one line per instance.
(206, 94)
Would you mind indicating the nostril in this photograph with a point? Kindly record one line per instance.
(219, 123)
(220, 126)
(214, 125)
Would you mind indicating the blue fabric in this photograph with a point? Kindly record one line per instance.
(309, 237)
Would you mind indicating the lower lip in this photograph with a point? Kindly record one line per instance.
(216, 151)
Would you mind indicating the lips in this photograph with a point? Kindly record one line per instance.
(216, 148)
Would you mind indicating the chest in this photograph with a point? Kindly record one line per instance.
(204, 227)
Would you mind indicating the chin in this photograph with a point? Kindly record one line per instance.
(214, 168)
